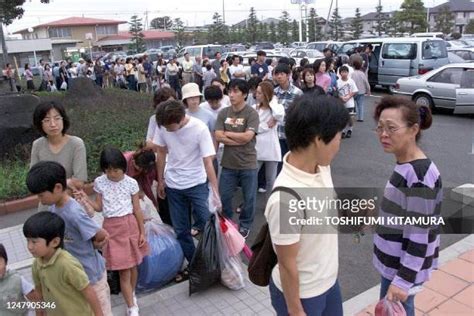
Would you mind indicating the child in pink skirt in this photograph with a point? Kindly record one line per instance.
(117, 198)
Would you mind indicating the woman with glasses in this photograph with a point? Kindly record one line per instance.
(51, 120)
(405, 255)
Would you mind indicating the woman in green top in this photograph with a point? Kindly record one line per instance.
(51, 120)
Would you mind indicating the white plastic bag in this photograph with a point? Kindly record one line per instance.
(53, 88)
(64, 85)
(232, 274)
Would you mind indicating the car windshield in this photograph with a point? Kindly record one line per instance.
(210, 51)
(320, 46)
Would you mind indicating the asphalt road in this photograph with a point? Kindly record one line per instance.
(362, 162)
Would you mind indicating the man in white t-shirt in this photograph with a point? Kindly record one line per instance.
(236, 69)
(188, 144)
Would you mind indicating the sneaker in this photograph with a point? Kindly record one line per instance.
(360, 120)
(349, 134)
(244, 232)
(261, 190)
(135, 301)
(133, 311)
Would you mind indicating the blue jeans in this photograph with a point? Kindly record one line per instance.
(180, 211)
(284, 149)
(409, 304)
(228, 182)
(327, 304)
(359, 102)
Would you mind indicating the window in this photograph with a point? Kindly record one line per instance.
(434, 50)
(211, 51)
(59, 32)
(449, 75)
(106, 29)
(399, 51)
(467, 79)
(347, 47)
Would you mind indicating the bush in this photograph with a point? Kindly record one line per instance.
(119, 118)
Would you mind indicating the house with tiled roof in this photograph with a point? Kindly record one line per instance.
(73, 33)
(463, 11)
(120, 41)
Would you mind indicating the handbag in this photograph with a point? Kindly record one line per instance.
(264, 258)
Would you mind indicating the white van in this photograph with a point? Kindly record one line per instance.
(429, 35)
(205, 51)
(395, 58)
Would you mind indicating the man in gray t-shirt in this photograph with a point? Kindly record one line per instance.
(236, 128)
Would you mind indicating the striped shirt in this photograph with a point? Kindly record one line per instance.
(408, 254)
(286, 97)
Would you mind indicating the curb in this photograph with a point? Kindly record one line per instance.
(31, 202)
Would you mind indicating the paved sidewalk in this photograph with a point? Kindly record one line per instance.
(449, 292)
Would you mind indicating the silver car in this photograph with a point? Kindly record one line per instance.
(450, 86)
(310, 54)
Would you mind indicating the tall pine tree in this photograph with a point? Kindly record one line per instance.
(272, 32)
(295, 32)
(135, 29)
(335, 23)
(356, 25)
(379, 27)
(252, 26)
(284, 27)
(312, 25)
(218, 30)
(178, 27)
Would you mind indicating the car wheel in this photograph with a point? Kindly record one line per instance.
(391, 89)
(425, 100)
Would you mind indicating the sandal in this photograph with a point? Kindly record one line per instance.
(182, 276)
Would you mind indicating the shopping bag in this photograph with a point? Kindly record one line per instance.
(234, 241)
(53, 88)
(388, 308)
(232, 275)
(113, 279)
(64, 85)
(165, 259)
(204, 269)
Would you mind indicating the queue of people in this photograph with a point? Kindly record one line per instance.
(199, 148)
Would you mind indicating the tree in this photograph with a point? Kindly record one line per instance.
(444, 20)
(469, 27)
(162, 23)
(9, 11)
(284, 27)
(218, 30)
(252, 26)
(272, 31)
(178, 27)
(356, 25)
(294, 31)
(379, 16)
(262, 32)
(336, 26)
(136, 28)
(413, 16)
(393, 27)
(312, 25)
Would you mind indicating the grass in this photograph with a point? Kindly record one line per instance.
(118, 118)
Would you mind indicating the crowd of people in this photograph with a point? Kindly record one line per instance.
(204, 140)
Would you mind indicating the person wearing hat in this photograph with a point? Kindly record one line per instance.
(192, 99)
(172, 73)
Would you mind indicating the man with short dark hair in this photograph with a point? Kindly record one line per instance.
(260, 69)
(185, 146)
(216, 64)
(286, 92)
(236, 69)
(236, 128)
(328, 52)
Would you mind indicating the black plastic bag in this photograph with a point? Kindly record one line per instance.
(113, 278)
(204, 269)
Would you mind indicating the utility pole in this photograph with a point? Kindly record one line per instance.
(223, 11)
(301, 22)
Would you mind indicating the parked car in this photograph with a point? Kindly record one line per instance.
(455, 59)
(310, 54)
(394, 58)
(205, 51)
(466, 54)
(450, 86)
(457, 44)
(298, 44)
(247, 55)
(429, 35)
(262, 46)
(334, 46)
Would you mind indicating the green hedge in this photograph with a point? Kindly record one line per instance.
(118, 118)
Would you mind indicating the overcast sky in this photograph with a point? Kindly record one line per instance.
(192, 12)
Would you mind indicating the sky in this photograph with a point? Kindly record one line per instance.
(191, 12)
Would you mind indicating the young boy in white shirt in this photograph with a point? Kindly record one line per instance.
(347, 90)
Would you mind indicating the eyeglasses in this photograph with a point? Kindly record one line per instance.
(388, 129)
(55, 119)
